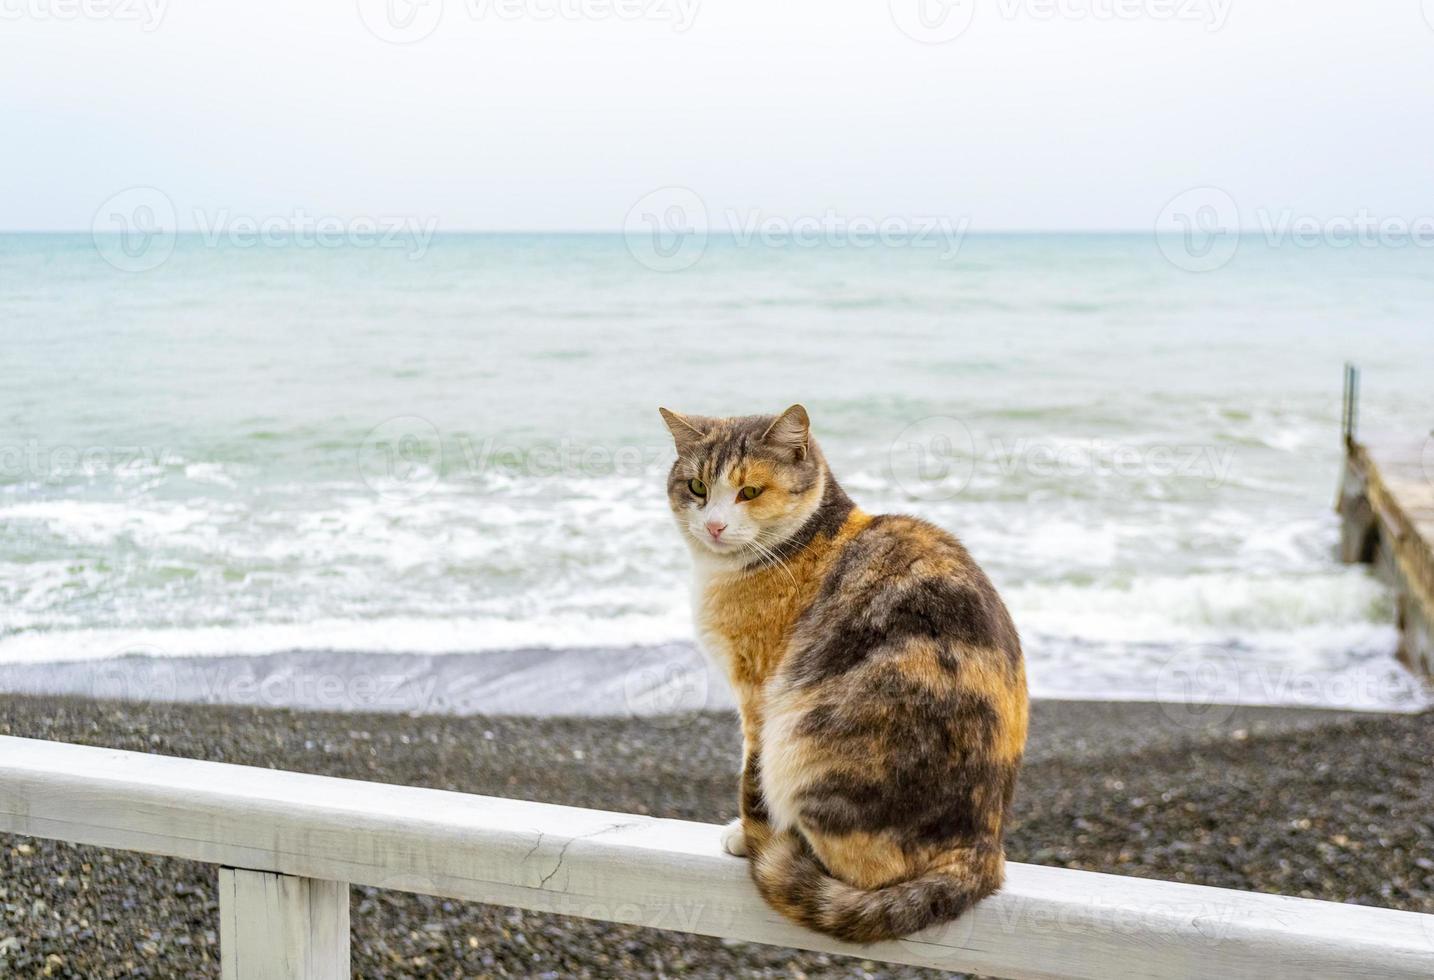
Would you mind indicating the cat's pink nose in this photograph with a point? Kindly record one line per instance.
(715, 528)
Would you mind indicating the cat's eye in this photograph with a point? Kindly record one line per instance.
(750, 493)
(697, 487)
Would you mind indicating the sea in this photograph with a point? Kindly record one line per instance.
(430, 475)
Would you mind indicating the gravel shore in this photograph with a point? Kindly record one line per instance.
(1319, 804)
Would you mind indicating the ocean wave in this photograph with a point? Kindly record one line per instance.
(420, 635)
(1213, 607)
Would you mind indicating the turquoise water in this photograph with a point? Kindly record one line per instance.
(248, 450)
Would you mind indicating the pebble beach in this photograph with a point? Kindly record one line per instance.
(1319, 804)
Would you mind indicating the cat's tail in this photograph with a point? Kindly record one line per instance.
(794, 882)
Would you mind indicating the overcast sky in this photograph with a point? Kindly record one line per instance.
(560, 114)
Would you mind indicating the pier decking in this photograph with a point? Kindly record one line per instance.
(1386, 501)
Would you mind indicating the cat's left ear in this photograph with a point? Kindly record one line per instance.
(790, 431)
(685, 429)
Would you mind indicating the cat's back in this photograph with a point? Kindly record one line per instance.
(900, 706)
(903, 582)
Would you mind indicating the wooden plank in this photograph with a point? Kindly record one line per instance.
(671, 874)
(279, 927)
(1392, 484)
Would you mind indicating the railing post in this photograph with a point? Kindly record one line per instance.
(281, 927)
(1349, 413)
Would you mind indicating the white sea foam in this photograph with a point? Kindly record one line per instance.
(87, 522)
(424, 635)
(1206, 608)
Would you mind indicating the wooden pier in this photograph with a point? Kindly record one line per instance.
(1386, 501)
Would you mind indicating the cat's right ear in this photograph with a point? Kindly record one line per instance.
(686, 430)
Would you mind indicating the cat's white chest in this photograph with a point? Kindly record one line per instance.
(708, 638)
(781, 770)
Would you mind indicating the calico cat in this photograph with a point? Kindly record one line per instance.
(879, 676)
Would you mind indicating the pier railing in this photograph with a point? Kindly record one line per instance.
(287, 845)
(1386, 503)
(1349, 412)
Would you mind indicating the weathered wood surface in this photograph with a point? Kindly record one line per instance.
(1387, 504)
(671, 874)
(278, 927)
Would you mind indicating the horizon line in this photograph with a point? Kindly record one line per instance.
(618, 232)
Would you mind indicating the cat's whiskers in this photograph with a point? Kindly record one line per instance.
(772, 559)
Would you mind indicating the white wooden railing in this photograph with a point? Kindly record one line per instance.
(288, 844)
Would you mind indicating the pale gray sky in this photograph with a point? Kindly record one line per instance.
(560, 114)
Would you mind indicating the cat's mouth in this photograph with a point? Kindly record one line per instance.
(722, 546)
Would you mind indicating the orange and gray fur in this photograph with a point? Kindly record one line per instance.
(879, 676)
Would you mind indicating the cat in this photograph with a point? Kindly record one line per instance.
(879, 677)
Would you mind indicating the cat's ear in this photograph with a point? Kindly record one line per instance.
(685, 429)
(790, 431)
